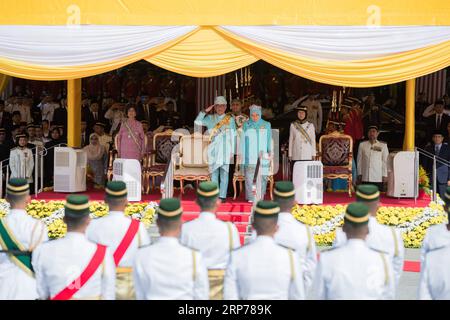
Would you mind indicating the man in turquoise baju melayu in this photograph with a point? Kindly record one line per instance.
(257, 140)
(222, 132)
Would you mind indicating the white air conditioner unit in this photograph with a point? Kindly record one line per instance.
(308, 182)
(69, 170)
(129, 171)
(403, 171)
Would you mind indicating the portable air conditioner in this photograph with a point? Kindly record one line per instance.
(308, 182)
(69, 170)
(129, 171)
(403, 174)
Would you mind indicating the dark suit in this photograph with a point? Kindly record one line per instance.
(5, 120)
(432, 124)
(150, 115)
(60, 117)
(90, 121)
(442, 171)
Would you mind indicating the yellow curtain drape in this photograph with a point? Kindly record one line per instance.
(225, 12)
(211, 51)
(4, 81)
(204, 54)
(37, 72)
(365, 73)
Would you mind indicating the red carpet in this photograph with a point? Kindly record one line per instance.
(240, 205)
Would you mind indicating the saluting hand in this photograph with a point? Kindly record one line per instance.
(209, 108)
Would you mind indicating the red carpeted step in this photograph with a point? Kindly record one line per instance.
(241, 227)
(232, 217)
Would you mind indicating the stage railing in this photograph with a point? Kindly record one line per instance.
(436, 159)
(38, 152)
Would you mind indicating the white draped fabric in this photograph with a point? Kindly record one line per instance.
(82, 45)
(91, 44)
(345, 43)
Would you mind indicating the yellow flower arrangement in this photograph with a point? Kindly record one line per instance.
(314, 216)
(424, 180)
(394, 216)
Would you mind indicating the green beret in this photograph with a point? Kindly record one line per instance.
(447, 196)
(76, 206)
(208, 189)
(17, 186)
(357, 213)
(116, 189)
(170, 208)
(267, 209)
(284, 189)
(367, 193)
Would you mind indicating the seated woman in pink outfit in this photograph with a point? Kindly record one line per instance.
(131, 137)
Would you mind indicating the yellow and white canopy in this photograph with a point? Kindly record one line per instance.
(349, 43)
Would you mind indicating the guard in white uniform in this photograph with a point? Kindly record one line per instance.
(381, 237)
(437, 236)
(353, 270)
(435, 275)
(372, 159)
(21, 160)
(19, 235)
(302, 137)
(263, 269)
(314, 112)
(59, 264)
(167, 270)
(294, 234)
(122, 235)
(214, 238)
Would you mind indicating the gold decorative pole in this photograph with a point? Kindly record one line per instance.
(74, 113)
(410, 115)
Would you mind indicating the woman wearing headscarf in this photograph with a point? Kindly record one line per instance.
(55, 140)
(302, 138)
(96, 159)
(257, 141)
(130, 141)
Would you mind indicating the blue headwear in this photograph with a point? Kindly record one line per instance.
(255, 109)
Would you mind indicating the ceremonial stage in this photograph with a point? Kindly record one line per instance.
(240, 205)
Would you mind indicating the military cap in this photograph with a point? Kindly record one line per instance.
(267, 209)
(21, 135)
(301, 108)
(2, 130)
(101, 124)
(438, 132)
(17, 186)
(367, 193)
(30, 126)
(170, 208)
(76, 206)
(145, 121)
(284, 189)
(357, 213)
(116, 189)
(372, 127)
(208, 189)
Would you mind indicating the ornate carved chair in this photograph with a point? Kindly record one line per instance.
(160, 155)
(335, 152)
(191, 161)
